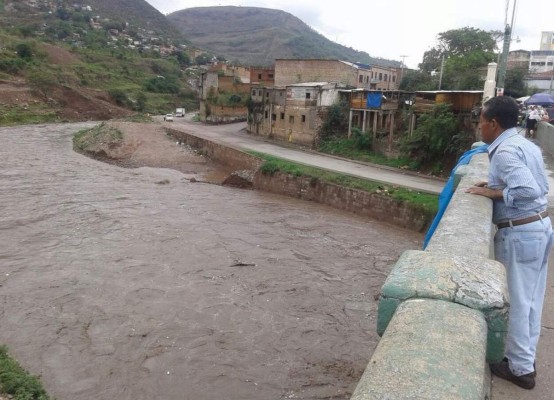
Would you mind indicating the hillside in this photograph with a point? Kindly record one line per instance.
(136, 13)
(69, 61)
(257, 36)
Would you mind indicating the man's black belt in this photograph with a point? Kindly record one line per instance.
(523, 221)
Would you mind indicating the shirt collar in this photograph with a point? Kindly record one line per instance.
(503, 136)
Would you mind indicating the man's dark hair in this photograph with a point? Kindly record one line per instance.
(503, 109)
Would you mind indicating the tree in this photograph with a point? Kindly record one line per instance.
(417, 80)
(465, 51)
(514, 83)
(24, 51)
(182, 58)
(335, 122)
(203, 59)
(141, 102)
(42, 81)
(435, 139)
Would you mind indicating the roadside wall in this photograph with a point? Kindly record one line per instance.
(228, 156)
(545, 135)
(222, 114)
(443, 312)
(372, 205)
(376, 206)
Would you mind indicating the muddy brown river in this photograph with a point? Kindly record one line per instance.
(139, 284)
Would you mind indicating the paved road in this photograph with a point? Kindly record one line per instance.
(235, 135)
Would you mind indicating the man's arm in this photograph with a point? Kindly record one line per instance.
(481, 189)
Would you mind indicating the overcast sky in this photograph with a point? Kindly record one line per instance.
(395, 28)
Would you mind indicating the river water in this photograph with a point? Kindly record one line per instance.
(139, 284)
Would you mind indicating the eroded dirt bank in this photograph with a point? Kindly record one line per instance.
(114, 286)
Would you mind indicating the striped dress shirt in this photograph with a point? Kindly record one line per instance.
(517, 167)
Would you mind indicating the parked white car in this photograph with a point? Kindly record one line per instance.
(168, 117)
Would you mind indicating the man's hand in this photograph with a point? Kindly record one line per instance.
(481, 189)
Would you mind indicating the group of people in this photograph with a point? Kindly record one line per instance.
(531, 116)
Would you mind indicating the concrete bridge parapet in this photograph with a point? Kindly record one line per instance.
(443, 312)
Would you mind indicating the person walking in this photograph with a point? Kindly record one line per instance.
(532, 120)
(517, 185)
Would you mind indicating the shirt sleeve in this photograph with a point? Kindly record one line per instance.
(518, 178)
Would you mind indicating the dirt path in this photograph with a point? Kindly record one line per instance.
(147, 145)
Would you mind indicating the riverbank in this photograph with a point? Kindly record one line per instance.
(145, 145)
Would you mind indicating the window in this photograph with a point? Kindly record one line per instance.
(394, 78)
(291, 119)
(265, 115)
(380, 76)
(303, 118)
(259, 92)
(361, 79)
(254, 92)
(282, 115)
(273, 117)
(270, 76)
(386, 77)
(267, 94)
(260, 76)
(308, 95)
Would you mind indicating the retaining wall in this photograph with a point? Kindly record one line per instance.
(443, 312)
(230, 157)
(380, 207)
(372, 205)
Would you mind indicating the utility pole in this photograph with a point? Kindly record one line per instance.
(505, 50)
(551, 76)
(403, 57)
(503, 61)
(442, 70)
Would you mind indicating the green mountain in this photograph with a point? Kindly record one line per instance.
(257, 36)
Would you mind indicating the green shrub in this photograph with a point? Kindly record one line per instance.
(435, 138)
(362, 140)
(335, 122)
(160, 84)
(11, 65)
(269, 168)
(24, 51)
(102, 133)
(16, 382)
(119, 96)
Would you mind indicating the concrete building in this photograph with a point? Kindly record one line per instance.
(262, 76)
(541, 61)
(223, 94)
(541, 82)
(547, 40)
(351, 75)
(519, 59)
(293, 112)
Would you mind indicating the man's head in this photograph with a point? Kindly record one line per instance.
(498, 114)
